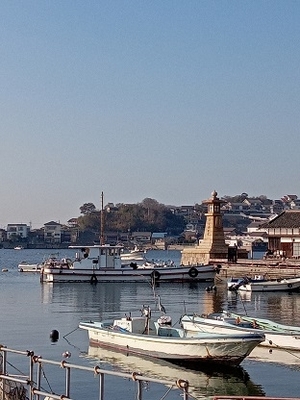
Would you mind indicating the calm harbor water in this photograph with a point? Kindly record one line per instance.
(31, 310)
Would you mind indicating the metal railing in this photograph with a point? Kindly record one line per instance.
(33, 381)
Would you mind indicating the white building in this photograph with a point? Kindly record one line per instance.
(17, 230)
(52, 232)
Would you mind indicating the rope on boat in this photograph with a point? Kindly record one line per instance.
(69, 343)
(70, 332)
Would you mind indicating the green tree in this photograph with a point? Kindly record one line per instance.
(87, 208)
(149, 215)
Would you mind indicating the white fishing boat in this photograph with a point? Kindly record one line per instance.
(141, 335)
(19, 247)
(276, 335)
(48, 260)
(134, 255)
(260, 284)
(25, 266)
(102, 263)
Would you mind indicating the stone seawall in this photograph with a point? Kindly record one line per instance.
(272, 270)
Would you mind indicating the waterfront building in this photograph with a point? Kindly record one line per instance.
(283, 234)
(17, 231)
(52, 232)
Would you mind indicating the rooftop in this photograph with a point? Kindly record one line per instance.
(287, 219)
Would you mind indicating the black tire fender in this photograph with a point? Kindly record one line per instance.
(193, 272)
(155, 275)
(94, 279)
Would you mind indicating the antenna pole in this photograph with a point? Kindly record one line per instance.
(102, 222)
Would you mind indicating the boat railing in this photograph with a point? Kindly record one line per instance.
(31, 385)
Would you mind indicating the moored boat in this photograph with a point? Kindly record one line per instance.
(25, 266)
(134, 255)
(52, 260)
(261, 284)
(141, 335)
(102, 263)
(276, 335)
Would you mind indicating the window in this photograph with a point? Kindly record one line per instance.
(296, 249)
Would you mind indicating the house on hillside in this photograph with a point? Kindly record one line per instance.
(287, 198)
(73, 223)
(277, 206)
(3, 235)
(158, 239)
(295, 204)
(17, 231)
(283, 233)
(52, 232)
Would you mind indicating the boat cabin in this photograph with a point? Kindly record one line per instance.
(97, 257)
(143, 325)
(138, 325)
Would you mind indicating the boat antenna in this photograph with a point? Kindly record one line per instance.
(102, 222)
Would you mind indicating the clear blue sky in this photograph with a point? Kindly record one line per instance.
(162, 99)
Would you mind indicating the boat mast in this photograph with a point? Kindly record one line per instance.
(102, 222)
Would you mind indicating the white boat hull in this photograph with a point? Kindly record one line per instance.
(102, 263)
(280, 340)
(194, 348)
(128, 258)
(26, 267)
(205, 273)
(282, 285)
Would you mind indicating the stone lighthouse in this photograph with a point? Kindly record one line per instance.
(212, 246)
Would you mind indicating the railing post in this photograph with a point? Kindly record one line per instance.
(30, 355)
(184, 385)
(68, 380)
(4, 358)
(3, 370)
(101, 386)
(38, 375)
(140, 391)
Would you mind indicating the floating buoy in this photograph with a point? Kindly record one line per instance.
(54, 335)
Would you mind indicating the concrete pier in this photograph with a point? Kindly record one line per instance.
(270, 268)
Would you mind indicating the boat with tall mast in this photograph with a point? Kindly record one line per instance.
(102, 263)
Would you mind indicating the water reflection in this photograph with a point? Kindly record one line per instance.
(290, 359)
(202, 382)
(177, 298)
(119, 297)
